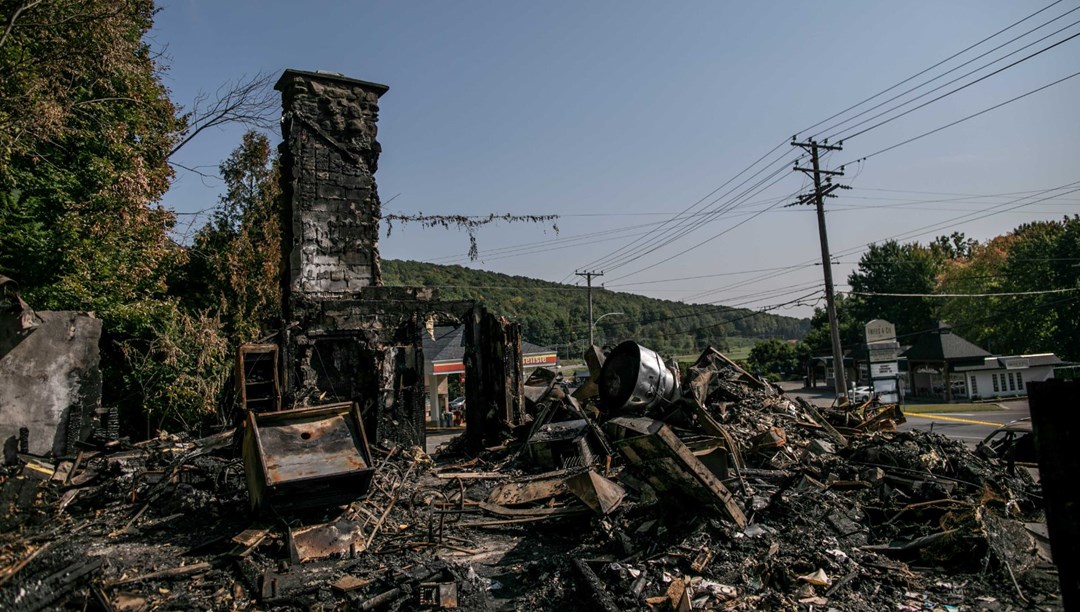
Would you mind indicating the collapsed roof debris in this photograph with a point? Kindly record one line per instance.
(728, 495)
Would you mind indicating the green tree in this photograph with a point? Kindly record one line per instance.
(892, 267)
(818, 340)
(776, 357)
(1034, 257)
(1043, 257)
(980, 271)
(235, 264)
(85, 131)
(86, 127)
(953, 246)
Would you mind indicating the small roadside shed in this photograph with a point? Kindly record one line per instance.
(934, 359)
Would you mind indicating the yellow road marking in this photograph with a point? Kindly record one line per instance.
(955, 419)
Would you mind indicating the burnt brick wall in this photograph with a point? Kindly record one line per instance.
(332, 210)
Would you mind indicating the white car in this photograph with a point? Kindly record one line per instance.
(861, 394)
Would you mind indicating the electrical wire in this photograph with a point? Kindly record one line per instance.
(1019, 202)
(962, 295)
(922, 72)
(783, 175)
(963, 119)
(682, 228)
(843, 136)
(951, 70)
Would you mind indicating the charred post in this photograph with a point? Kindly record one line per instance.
(1057, 433)
(494, 379)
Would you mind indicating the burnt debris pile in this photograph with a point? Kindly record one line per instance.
(644, 488)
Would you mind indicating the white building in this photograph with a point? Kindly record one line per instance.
(1007, 376)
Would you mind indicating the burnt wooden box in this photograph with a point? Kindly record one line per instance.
(306, 457)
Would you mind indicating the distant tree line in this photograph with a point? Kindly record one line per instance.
(556, 315)
(1021, 292)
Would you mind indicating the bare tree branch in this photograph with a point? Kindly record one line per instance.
(15, 16)
(247, 101)
(195, 170)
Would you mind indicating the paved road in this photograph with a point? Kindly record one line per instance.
(969, 427)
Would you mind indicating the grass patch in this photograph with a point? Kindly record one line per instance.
(941, 408)
(739, 353)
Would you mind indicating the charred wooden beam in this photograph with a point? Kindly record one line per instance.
(494, 380)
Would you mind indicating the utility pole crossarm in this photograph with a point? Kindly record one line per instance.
(819, 145)
(823, 172)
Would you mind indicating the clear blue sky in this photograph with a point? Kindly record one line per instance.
(617, 114)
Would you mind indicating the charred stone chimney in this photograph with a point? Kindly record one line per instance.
(332, 209)
(346, 337)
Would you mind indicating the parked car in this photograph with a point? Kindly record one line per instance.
(458, 403)
(862, 394)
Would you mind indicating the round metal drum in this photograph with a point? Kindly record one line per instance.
(634, 377)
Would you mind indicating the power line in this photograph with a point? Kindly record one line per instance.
(909, 234)
(655, 246)
(963, 295)
(918, 74)
(949, 93)
(695, 204)
(700, 276)
(973, 216)
(629, 253)
(781, 175)
(951, 70)
(543, 246)
(683, 227)
(963, 119)
(713, 308)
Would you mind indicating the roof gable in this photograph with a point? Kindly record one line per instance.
(943, 345)
(448, 345)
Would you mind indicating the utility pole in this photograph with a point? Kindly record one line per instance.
(821, 191)
(588, 279)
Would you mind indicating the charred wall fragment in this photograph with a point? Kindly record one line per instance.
(494, 379)
(365, 350)
(50, 380)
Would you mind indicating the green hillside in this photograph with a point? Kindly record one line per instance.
(555, 315)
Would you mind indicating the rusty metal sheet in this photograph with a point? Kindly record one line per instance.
(340, 539)
(310, 448)
(306, 457)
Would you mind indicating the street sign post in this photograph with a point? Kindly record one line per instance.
(882, 351)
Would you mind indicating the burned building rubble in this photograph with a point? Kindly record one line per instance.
(645, 489)
(728, 495)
